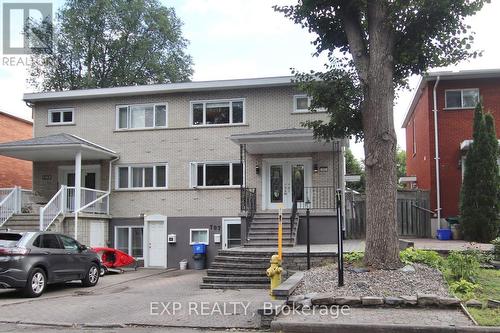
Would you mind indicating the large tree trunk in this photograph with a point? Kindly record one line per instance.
(382, 246)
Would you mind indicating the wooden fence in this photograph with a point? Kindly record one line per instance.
(412, 210)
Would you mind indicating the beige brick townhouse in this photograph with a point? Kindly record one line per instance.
(153, 169)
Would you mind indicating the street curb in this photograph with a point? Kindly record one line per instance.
(373, 328)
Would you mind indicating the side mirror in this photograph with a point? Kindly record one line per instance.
(82, 248)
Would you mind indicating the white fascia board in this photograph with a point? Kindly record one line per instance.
(159, 89)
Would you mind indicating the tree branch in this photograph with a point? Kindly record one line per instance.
(357, 43)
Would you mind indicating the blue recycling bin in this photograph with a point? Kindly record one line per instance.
(199, 255)
(199, 248)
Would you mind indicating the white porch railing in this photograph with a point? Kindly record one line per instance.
(8, 204)
(53, 209)
(91, 201)
(12, 200)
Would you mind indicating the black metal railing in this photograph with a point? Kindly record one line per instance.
(293, 217)
(248, 204)
(318, 197)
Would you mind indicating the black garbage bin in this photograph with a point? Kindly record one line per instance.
(199, 256)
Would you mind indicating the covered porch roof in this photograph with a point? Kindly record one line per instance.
(58, 147)
(289, 140)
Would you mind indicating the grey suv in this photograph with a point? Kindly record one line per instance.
(31, 260)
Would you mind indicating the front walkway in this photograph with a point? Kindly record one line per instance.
(354, 245)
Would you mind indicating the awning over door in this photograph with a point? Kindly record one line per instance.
(58, 147)
(290, 140)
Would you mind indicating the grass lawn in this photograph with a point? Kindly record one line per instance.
(489, 280)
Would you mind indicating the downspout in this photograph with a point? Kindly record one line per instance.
(436, 158)
(110, 171)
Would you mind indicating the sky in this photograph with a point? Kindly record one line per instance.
(243, 39)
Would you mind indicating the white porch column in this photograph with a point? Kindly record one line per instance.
(78, 186)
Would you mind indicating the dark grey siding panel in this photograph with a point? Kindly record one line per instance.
(323, 230)
(179, 226)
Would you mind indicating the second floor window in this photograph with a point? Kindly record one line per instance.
(218, 112)
(141, 116)
(61, 117)
(461, 98)
(141, 176)
(216, 174)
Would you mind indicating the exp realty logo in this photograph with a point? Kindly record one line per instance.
(26, 29)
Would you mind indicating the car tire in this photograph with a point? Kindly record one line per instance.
(92, 276)
(36, 283)
(103, 271)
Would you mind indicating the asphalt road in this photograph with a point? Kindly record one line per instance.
(145, 297)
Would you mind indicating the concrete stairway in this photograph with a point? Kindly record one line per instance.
(237, 270)
(23, 222)
(263, 231)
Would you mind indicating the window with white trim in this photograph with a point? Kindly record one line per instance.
(198, 236)
(141, 116)
(61, 116)
(302, 103)
(218, 112)
(141, 176)
(461, 98)
(212, 174)
(130, 240)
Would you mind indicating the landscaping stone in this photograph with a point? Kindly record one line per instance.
(348, 300)
(393, 301)
(409, 300)
(474, 303)
(323, 299)
(449, 301)
(305, 304)
(363, 285)
(427, 299)
(372, 300)
(359, 269)
(408, 269)
(292, 300)
(492, 303)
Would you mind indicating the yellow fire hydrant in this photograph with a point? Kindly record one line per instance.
(274, 273)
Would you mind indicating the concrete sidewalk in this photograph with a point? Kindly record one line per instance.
(368, 320)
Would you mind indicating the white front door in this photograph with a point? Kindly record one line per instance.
(156, 243)
(97, 233)
(231, 232)
(284, 180)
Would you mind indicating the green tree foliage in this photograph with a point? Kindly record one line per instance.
(108, 43)
(401, 162)
(355, 168)
(374, 46)
(479, 205)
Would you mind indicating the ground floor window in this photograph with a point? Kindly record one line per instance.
(204, 174)
(130, 240)
(198, 236)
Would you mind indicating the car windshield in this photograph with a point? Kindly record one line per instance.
(9, 239)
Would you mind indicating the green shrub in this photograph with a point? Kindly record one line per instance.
(412, 255)
(463, 288)
(353, 257)
(463, 265)
(496, 247)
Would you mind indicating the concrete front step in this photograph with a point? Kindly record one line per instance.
(237, 279)
(246, 260)
(224, 272)
(233, 286)
(25, 217)
(239, 266)
(266, 244)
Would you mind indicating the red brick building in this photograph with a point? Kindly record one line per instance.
(453, 95)
(14, 172)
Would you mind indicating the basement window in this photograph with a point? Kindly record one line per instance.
(198, 236)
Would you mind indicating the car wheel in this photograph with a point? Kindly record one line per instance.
(103, 271)
(92, 276)
(37, 281)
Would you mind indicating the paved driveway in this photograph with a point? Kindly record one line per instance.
(145, 297)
